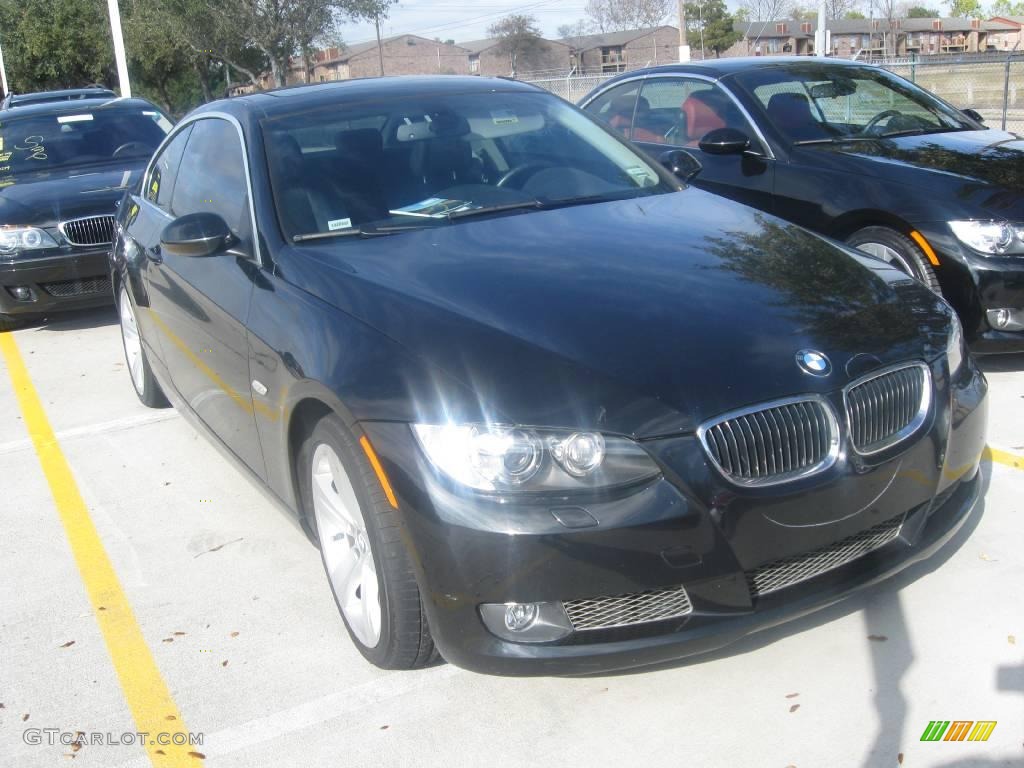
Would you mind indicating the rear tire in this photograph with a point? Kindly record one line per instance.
(359, 533)
(8, 323)
(145, 384)
(898, 250)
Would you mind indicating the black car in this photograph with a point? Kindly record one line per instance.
(858, 154)
(544, 409)
(46, 97)
(63, 168)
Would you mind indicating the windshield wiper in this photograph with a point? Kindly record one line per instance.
(362, 232)
(469, 212)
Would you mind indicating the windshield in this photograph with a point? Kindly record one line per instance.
(386, 167)
(43, 142)
(813, 102)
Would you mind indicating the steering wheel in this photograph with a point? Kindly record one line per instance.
(520, 173)
(880, 117)
(131, 146)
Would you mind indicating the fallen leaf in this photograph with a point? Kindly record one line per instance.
(2, 705)
(24, 717)
(899, 758)
(1009, 638)
(224, 663)
(179, 634)
(234, 634)
(75, 746)
(384, 727)
(160, 752)
(170, 717)
(68, 644)
(101, 608)
(794, 708)
(792, 695)
(878, 638)
(219, 547)
(199, 755)
(168, 640)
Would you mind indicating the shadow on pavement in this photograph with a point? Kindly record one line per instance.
(1001, 363)
(74, 320)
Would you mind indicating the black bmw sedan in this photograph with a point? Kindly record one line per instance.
(543, 408)
(856, 153)
(63, 168)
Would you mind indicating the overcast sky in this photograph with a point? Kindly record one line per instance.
(463, 20)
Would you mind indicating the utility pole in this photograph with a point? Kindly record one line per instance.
(380, 46)
(3, 73)
(684, 49)
(119, 55)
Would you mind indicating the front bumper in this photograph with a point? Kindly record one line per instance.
(61, 282)
(685, 529)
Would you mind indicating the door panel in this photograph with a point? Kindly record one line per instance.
(200, 304)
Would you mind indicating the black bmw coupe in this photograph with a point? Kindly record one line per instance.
(543, 408)
(64, 165)
(858, 154)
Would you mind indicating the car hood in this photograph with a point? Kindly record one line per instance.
(642, 317)
(47, 197)
(972, 162)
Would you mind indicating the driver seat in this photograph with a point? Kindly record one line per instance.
(791, 114)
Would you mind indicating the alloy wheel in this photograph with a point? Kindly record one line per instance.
(889, 255)
(132, 342)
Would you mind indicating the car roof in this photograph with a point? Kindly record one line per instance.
(722, 67)
(76, 105)
(297, 98)
(65, 94)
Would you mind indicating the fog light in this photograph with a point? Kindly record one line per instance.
(526, 622)
(1006, 319)
(21, 292)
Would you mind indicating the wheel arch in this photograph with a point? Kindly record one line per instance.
(848, 223)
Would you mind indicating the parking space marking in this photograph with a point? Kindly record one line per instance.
(91, 430)
(148, 698)
(1002, 457)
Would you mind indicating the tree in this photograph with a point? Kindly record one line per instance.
(518, 38)
(854, 15)
(162, 66)
(620, 15)
(56, 44)
(920, 12)
(966, 9)
(1008, 8)
(710, 22)
(370, 10)
(765, 10)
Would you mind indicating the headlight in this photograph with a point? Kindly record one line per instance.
(955, 346)
(999, 238)
(15, 239)
(503, 458)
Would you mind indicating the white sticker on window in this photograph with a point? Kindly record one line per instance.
(504, 117)
(334, 224)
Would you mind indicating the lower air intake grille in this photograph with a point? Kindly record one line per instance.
(67, 288)
(792, 570)
(886, 408)
(773, 442)
(626, 610)
(92, 230)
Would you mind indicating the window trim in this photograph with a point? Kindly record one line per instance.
(245, 167)
(769, 151)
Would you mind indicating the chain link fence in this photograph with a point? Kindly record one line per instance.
(993, 87)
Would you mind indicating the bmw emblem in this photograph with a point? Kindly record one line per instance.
(814, 363)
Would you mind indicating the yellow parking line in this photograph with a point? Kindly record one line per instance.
(145, 691)
(1002, 457)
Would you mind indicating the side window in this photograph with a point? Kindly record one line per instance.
(615, 107)
(160, 185)
(682, 111)
(212, 175)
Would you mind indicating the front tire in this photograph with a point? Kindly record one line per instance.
(898, 250)
(361, 547)
(145, 384)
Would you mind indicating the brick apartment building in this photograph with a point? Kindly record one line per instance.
(865, 38)
(622, 51)
(487, 58)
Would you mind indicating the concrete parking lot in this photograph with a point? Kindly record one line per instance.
(216, 613)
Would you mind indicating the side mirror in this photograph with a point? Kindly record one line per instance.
(196, 234)
(682, 164)
(725, 141)
(974, 114)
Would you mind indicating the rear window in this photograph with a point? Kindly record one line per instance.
(43, 142)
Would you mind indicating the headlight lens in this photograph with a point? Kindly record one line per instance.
(15, 239)
(998, 238)
(955, 346)
(504, 458)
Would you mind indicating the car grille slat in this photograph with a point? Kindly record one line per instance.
(627, 610)
(91, 230)
(888, 407)
(788, 571)
(774, 442)
(63, 289)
